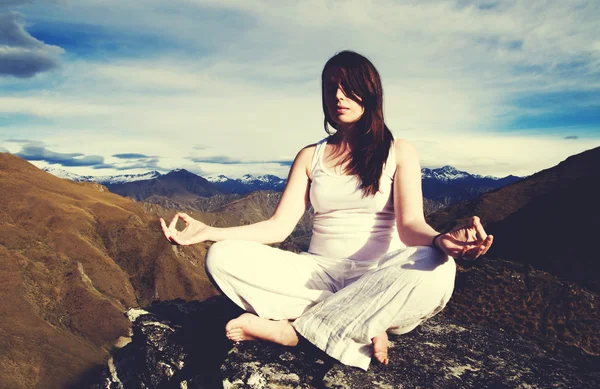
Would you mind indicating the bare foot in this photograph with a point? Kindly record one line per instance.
(380, 348)
(251, 327)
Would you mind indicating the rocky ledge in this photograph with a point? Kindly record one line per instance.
(182, 345)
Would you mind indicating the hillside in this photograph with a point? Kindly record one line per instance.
(74, 257)
(549, 220)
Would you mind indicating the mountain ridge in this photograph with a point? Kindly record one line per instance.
(446, 184)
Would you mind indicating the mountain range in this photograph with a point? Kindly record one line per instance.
(103, 180)
(446, 184)
(449, 185)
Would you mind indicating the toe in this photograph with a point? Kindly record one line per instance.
(381, 357)
(229, 326)
(236, 337)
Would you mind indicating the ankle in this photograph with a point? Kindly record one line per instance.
(287, 336)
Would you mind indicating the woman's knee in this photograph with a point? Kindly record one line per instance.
(422, 258)
(432, 259)
(222, 256)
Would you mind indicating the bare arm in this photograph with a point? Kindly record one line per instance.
(468, 242)
(289, 210)
(408, 198)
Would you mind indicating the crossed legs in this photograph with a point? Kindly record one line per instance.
(276, 286)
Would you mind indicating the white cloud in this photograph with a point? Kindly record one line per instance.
(500, 154)
(244, 80)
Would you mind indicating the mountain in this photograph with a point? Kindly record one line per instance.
(549, 220)
(445, 185)
(73, 258)
(178, 184)
(104, 180)
(540, 277)
(450, 185)
(248, 183)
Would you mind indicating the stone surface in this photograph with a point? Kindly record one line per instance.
(182, 345)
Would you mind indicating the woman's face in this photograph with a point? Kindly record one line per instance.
(343, 109)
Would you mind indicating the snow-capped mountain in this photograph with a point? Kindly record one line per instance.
(446, 173)
(104, 180)
(445, 184)
(217, 179)
(178, 184)
(61, 173)
(248, 183)
(124, 178)
(449, 185)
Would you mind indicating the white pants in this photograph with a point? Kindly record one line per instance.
(339, 305)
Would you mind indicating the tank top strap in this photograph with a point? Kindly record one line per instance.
(320, 146)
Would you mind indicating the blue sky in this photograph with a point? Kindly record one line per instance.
(105, 87)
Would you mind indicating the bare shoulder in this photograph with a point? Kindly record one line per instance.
(305, 156)
(309, 149)
(405, 151)
(307, 152)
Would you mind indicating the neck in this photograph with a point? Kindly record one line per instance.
(343, 137)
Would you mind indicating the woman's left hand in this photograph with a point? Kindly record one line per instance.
(469, 242)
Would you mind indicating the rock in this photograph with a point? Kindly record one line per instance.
(175, 344)
(263, 365)
(444, 354)
(182, 345)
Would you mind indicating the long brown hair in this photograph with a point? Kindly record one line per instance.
(372, 139)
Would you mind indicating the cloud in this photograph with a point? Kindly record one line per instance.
(502, 154)
(28, 142)
(147, 163)
(221, 159)
(3, 150)
(34, 153)
(102, 166)
(234, 73)
(130, 156)
(56, 105)
(571, 137)
(21, 55)
(9, 3)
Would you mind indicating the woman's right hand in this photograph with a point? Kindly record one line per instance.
(194, 231)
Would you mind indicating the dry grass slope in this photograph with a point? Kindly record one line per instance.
(73, 257)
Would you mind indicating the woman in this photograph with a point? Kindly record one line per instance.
(373, 266)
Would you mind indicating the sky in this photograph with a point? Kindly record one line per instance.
(105, 87)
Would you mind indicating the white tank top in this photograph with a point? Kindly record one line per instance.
(345, 224)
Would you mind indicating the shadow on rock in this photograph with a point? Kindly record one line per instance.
(179, 344)
(175, 344)
(183, 345)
